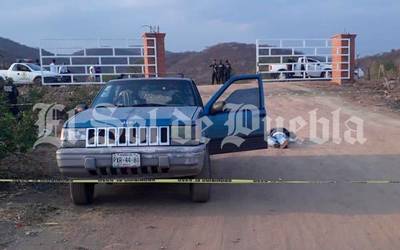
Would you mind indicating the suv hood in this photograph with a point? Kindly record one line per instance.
(133, 116)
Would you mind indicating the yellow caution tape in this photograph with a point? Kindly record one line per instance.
(197, 181)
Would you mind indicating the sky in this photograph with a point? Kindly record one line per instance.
(195, 25)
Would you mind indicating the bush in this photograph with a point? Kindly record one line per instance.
(383, 68)
(7, 126)
(17, 135)
(34, 95)
(26, 131)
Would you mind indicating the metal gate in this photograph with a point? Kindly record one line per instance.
(95, 61)
(303, 59)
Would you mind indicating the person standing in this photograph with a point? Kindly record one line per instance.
(63, 69)
(213, 66)
(97, 71)
(92, 74)
(228, 70)
(220, 72)
(11, 93)
(53, 67)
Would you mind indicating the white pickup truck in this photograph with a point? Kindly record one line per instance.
(23, 73)
(304, 67)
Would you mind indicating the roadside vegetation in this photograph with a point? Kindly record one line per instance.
(18, 134)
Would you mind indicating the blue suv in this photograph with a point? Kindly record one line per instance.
(159, 128)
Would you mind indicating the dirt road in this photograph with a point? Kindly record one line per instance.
(279, 216)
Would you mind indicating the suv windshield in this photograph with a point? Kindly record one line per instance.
(34, 67)
(143, 93)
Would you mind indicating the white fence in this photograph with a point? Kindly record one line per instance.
(302, 59)
(95, 61)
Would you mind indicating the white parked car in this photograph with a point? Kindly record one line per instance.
(304, 67)
(24, 73)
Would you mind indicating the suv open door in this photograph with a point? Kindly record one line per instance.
(237, 114)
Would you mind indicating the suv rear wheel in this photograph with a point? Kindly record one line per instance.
(282, 75)
(201, 192)
(82, 193)
(37, 80)
(326, 74)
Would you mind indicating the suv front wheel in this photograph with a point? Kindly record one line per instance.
(201, 192)
(82, 193)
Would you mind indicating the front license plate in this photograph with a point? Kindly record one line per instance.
(126, 160)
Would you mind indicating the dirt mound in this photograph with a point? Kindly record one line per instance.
(70, 96)
(38, 163)
(386, 91)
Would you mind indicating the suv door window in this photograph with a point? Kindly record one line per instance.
(23, 68)
(237, 114)
(241, 92)
(311, 60)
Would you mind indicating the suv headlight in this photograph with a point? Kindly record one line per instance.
(73, 137)
(185, 135)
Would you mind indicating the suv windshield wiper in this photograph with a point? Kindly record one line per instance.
(149, 105)
(134, 105)
(105, 106)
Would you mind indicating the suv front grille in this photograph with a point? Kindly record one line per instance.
(130, 136)
(107, 171)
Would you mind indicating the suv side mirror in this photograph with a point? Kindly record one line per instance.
(80, 107)
(217, 107)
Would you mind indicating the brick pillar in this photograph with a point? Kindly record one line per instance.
(151, 49)
(339, 61)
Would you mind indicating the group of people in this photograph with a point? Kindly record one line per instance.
(63, 69)
(93, 71)
(221, 72)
